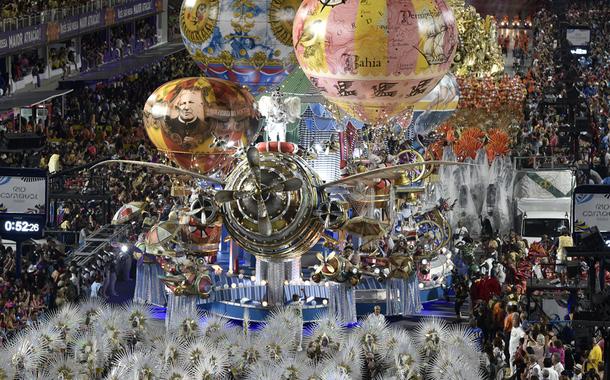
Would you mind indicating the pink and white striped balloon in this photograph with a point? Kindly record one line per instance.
(375, 58)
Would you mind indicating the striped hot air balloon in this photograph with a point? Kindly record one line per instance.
(375, 59)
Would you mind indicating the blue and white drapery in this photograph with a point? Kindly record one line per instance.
(244, 288)
(276, 274)
(402, 297)
(342, 302)
(292, 270)
(149, 288)
(178, 304)
(316, 291)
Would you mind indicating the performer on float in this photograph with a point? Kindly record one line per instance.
(377, 314)
(564, 241)
(149, 288)
(402, 287)
(279, 112)
(297, 307)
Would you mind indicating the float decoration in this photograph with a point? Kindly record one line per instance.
(478, 52)
(200, 123)
(467, 142)
(375, 59)
(247, 42)
(279, 111)
(489, 103)
(436, 107)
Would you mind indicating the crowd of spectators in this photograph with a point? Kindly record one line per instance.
(22, 299)
(25, 8)
(98, 48)
(494, 272)
(24, 64)
(565, 88)
(101, 122)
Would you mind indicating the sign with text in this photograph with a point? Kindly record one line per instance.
(22, 39)
(136, 9)
(38, 35)
(23, 194)
(75, 25)
(23, 203)
(591, 208)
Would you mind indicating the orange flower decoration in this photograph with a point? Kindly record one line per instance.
(435, 150)
(475, 133)
(448, 132)
(498, 143)
(536, 249)
(467, 146)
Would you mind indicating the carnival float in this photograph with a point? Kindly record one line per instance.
(324, 163)
(372, 235)
(258, 220)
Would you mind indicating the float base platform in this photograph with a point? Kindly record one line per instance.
(433, 300)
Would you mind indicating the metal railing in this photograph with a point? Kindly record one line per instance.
(540, 162)
(57, 14)
(68, 238)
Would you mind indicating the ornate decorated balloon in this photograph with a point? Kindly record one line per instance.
(199, 123)
(244, 41)
(375, 59)
(437, 106)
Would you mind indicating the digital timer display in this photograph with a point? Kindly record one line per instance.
(21, 226)
(23, 203)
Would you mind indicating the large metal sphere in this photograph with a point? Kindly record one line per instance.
(295, 229)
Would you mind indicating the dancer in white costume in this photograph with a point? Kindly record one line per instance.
(297, 306)
(279, 112)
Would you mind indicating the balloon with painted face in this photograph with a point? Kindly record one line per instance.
(375, 59)
(244, 41)
(200, 123)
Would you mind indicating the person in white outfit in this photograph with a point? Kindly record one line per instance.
(548, 372)
(95, 287)
(516, 334)
(297, 306)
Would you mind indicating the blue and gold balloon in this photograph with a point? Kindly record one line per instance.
(245, 41)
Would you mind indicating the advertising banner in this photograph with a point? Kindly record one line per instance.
(591, 210)
(22, 39)
(23, 195)
(38, 35)
(74, 26)
(135, 9)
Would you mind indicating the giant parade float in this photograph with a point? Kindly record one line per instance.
(306, 163)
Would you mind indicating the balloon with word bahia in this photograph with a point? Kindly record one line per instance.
(200, 123)
(245, 41)
(375, 58)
